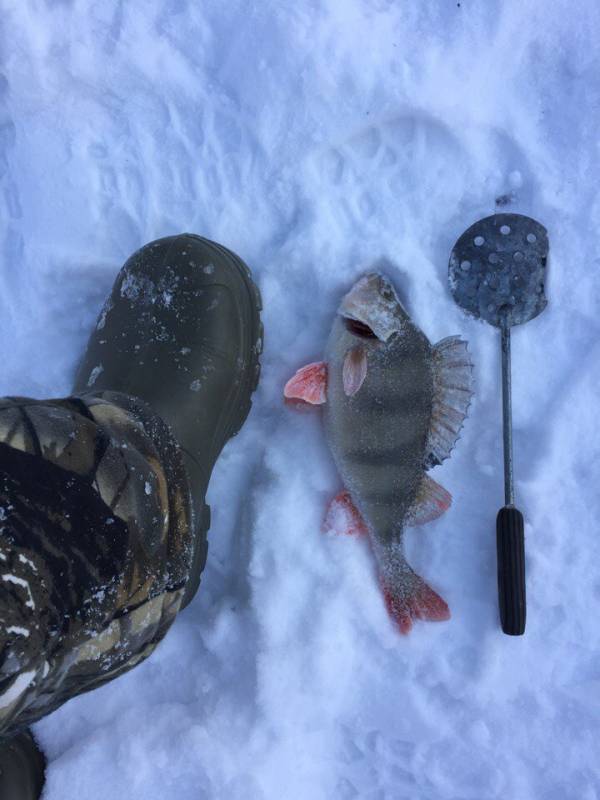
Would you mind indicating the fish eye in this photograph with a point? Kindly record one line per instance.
(359, 328)
(386, 293)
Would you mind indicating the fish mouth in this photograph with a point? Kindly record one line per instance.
(358, 328)
(371, 309)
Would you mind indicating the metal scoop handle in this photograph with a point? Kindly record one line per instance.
(510, 539)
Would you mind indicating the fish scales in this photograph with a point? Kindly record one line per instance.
(393, 403)
(378, 436)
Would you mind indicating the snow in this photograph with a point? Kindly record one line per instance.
(95, 374)
(318, 140)
(20, 582)
(16, 689)
(18, 630)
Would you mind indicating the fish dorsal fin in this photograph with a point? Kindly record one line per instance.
(430, 502)
(308, 384)
(452, 393)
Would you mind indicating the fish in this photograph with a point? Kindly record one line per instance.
(393, 408)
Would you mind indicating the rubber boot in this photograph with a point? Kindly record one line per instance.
(22, 768)
(181, 330)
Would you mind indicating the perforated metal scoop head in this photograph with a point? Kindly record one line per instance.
(498, 268)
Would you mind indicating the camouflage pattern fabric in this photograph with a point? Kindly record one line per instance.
(95, 546)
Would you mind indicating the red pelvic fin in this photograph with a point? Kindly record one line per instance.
(344, 517)
(308, 384)
(414, 599)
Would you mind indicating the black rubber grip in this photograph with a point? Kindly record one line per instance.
(510, 541)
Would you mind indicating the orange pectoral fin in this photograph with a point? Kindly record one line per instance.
(308, 384)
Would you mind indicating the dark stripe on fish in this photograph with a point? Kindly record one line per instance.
(393, 455)
(378, 497)
(402, 425)
(362, 402)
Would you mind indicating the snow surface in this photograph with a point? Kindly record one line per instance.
(319, 139)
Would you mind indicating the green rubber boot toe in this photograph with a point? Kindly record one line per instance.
(181, 330)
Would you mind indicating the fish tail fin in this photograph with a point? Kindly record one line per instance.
(408, 598)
